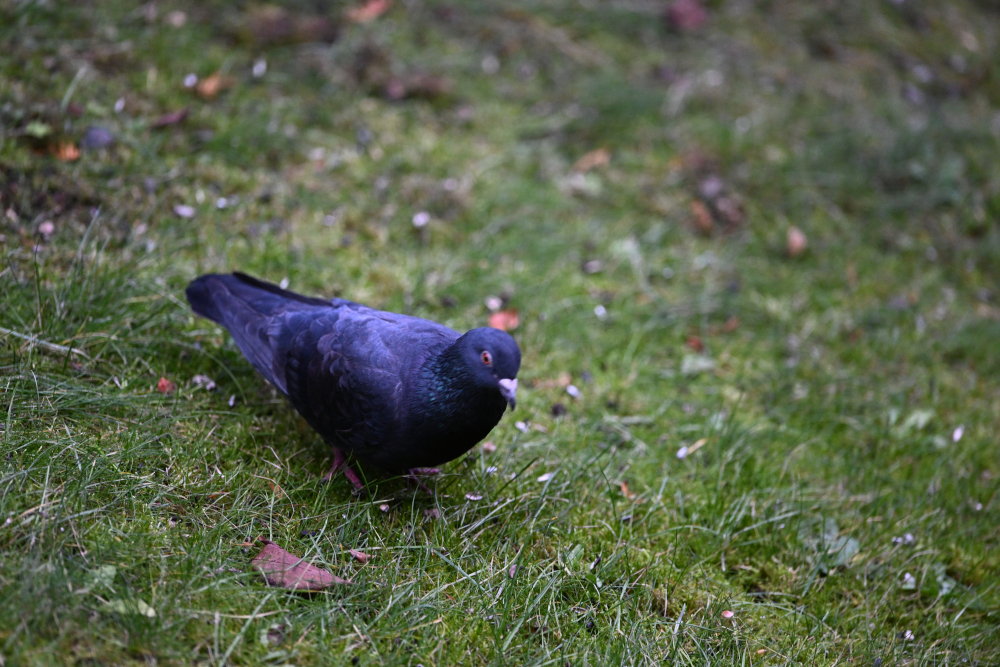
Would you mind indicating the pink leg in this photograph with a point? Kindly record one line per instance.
(340, 461)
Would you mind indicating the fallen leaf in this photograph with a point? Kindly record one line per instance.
(172, 118)
(214, 84)
(695, 343)
(505, 320)
(796, 241)
(368, 12)
(596, 158)
(418, 85)
(731, 324)
(702, 217)
(360, 556)
(66, 151)
(278, 491)
(285, 570)
(686, 15)
(165, 386)
(628, 494)
(270, 25)
(730, 210)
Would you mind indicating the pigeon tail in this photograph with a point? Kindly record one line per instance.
(247, 307)
(206, 293)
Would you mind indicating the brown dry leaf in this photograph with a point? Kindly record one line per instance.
(628, 494)
(66, 151)
(797, 242)
(270, 25)
(278, 491)
(419, 85)
(505, 320)
(731, 324)
(214, 84)
(702, 217)
(165, 386)
(369, 11)
(285, 570)
(596, 158)
(696, 344)
(360, 556)
(171, 118)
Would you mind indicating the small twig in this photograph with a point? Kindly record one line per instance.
(51, 347)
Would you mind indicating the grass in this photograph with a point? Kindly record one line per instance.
(843, 502)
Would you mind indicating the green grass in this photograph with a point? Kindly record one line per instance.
(829, 415)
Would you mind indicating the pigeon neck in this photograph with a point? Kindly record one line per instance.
(447, 381)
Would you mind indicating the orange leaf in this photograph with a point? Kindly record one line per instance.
(797, 242)
(702, 217)
(597, 158)
(628, 494)
(66, 151)
(369, 11)
(165, 386)
(505, 320)
(212, 85)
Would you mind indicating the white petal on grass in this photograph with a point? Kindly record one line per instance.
(184, 211)
(473, 496)
(191, 80)
(259, 68)
(521, 426)
(421, 219)
(546, 477)
(494, 303)
(284, 283)
(573, 391)
(957, 434)
(601, 312)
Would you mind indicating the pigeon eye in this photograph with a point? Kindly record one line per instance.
(487, 358)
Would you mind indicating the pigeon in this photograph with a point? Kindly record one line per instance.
(396, 392)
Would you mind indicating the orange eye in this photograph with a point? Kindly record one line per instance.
(487, 358)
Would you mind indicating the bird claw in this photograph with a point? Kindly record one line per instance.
(340, 462)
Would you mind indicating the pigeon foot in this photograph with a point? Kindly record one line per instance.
(340, 461)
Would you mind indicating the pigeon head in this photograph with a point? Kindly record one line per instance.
(494, 359)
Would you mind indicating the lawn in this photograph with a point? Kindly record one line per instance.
(755, 261)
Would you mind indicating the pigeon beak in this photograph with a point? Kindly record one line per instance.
(508, 389)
